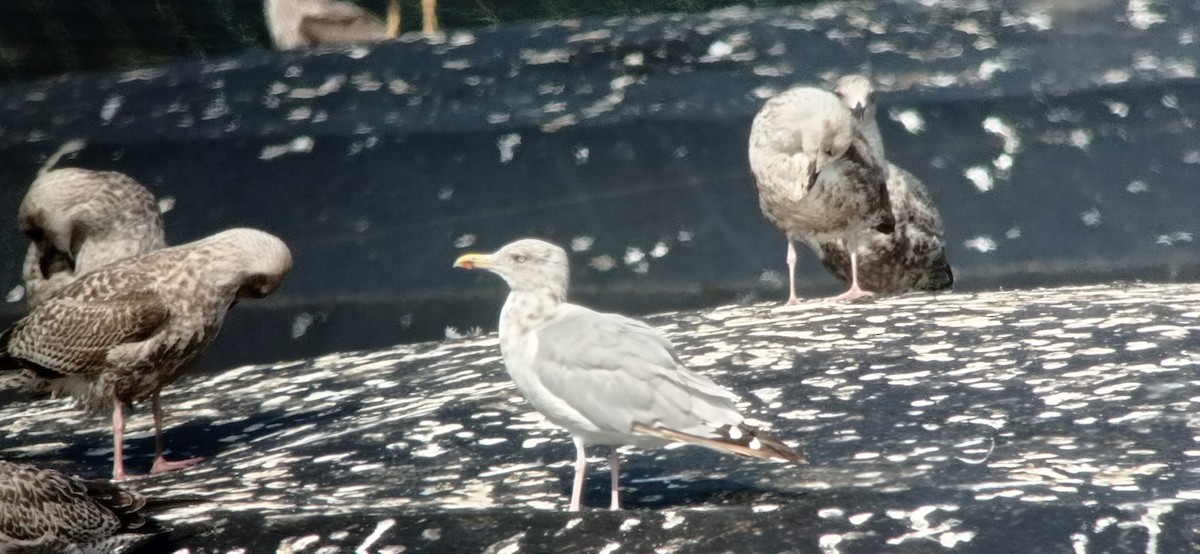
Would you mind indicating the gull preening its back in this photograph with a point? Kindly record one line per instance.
(121, 333)
(913, 258)
(78, 220)
(605, 378)
(818, 177)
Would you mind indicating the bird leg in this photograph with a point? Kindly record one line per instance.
(161, 465)
(393, 18)
(429, 16)
(614, 464)
(791, 262)
(580, 468)
(118, 424)
(855, 292)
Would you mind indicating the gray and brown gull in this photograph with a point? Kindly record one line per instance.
(605, 378)
(913, 258)
(818, 178)
(121, 333)
(78, 220)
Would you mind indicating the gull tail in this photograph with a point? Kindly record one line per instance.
(22, 375)
(740, 439)
(940, 276)
(7, 362)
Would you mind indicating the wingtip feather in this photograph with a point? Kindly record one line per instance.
(745, 441)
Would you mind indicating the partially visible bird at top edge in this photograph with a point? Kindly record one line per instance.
(307, 23)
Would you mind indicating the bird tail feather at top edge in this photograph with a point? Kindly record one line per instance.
(745, 441)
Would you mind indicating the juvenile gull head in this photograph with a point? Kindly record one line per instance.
(78, 220)
(857, 94)
(119, 334)
(44, 510)
(606, 378)
(819, 179)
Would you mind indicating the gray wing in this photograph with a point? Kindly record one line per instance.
(71, 335)
(618, 372)
(338, 22)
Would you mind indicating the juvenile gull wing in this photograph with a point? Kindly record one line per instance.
(73, 336)
(43, 510)
(616, 372)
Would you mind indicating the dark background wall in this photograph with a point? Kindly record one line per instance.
(1058, 138)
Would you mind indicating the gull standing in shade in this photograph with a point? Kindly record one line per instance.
(605, 378)
(44, 510)
(121, 333)
(818, 178)
(913, 258)
(78, 220)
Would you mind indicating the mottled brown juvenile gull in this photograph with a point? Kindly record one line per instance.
(913, 258)
(121, 333)
(818, 178)
(44, 510)
(605, 378)
(306, 23)
(78, 220)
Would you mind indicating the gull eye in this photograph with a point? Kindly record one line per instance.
(519, 258)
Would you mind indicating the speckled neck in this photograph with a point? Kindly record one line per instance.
(527, 309)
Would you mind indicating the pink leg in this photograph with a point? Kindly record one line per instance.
(614, 464)
(161, 465)
(580, 469)
(855, 292)
(791, 261)
(118, 423)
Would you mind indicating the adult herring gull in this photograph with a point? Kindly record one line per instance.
(913, 258)
(78, 220)
(121, 333)
(818, 178)
(605, 378)
(44, 510)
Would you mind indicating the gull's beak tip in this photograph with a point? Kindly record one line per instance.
(472, 261)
